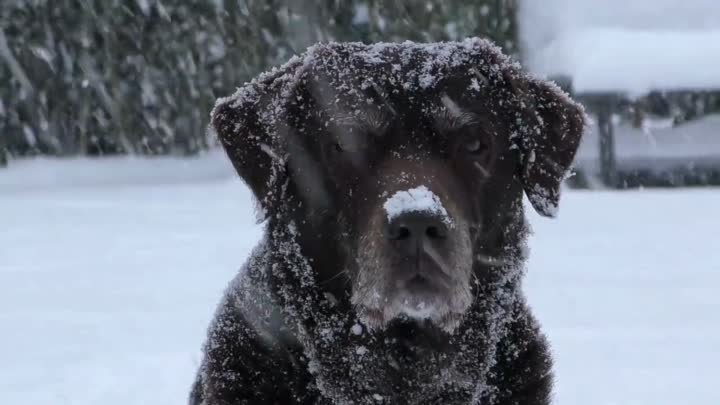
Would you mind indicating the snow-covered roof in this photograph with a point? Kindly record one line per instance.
(632, 46)
(634, 61)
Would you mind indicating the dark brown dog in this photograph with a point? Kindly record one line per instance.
(391, 177)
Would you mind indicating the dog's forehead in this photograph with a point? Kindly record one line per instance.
(354, 75)
(408, 66)
(346, 81)
(407, 84)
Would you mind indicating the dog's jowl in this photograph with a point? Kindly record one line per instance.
(391, 180)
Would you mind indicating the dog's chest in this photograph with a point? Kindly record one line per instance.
(392, 371)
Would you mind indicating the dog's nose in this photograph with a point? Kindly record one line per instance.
(408, 232)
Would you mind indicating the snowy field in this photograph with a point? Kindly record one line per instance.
(110, 271)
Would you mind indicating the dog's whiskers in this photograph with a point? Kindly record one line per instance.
(435, 256)
(481, 169)
(491, 260)
(344, 272)
(476, 281)
(362, 291)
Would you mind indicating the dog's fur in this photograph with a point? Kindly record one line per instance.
(323, 141)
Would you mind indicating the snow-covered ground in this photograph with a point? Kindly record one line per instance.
(110, 271)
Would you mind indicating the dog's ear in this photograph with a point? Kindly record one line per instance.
(251, 140)
(551, 125)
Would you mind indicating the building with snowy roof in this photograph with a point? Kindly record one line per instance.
(648, 72)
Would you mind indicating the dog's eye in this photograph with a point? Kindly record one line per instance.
(348, 147)
(478, 152)
(475, 146)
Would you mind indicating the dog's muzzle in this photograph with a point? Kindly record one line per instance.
(419, 241)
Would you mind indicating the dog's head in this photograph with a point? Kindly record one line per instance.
(407, 159)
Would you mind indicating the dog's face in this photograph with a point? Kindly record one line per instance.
(407, 182)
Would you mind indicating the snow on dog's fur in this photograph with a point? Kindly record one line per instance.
(391, 179)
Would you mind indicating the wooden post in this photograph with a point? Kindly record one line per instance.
(3, 151)
(608, 163)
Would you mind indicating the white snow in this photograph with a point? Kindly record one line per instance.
(419, 311)
(418, 199)
(647, 45)
(55, 174)
(106, 288)
(625, 286)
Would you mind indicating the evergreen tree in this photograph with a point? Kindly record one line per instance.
(95, 77)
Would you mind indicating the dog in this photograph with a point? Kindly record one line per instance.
(391, 179)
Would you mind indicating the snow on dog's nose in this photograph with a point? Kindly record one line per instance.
(418, 199)
(416, 221)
